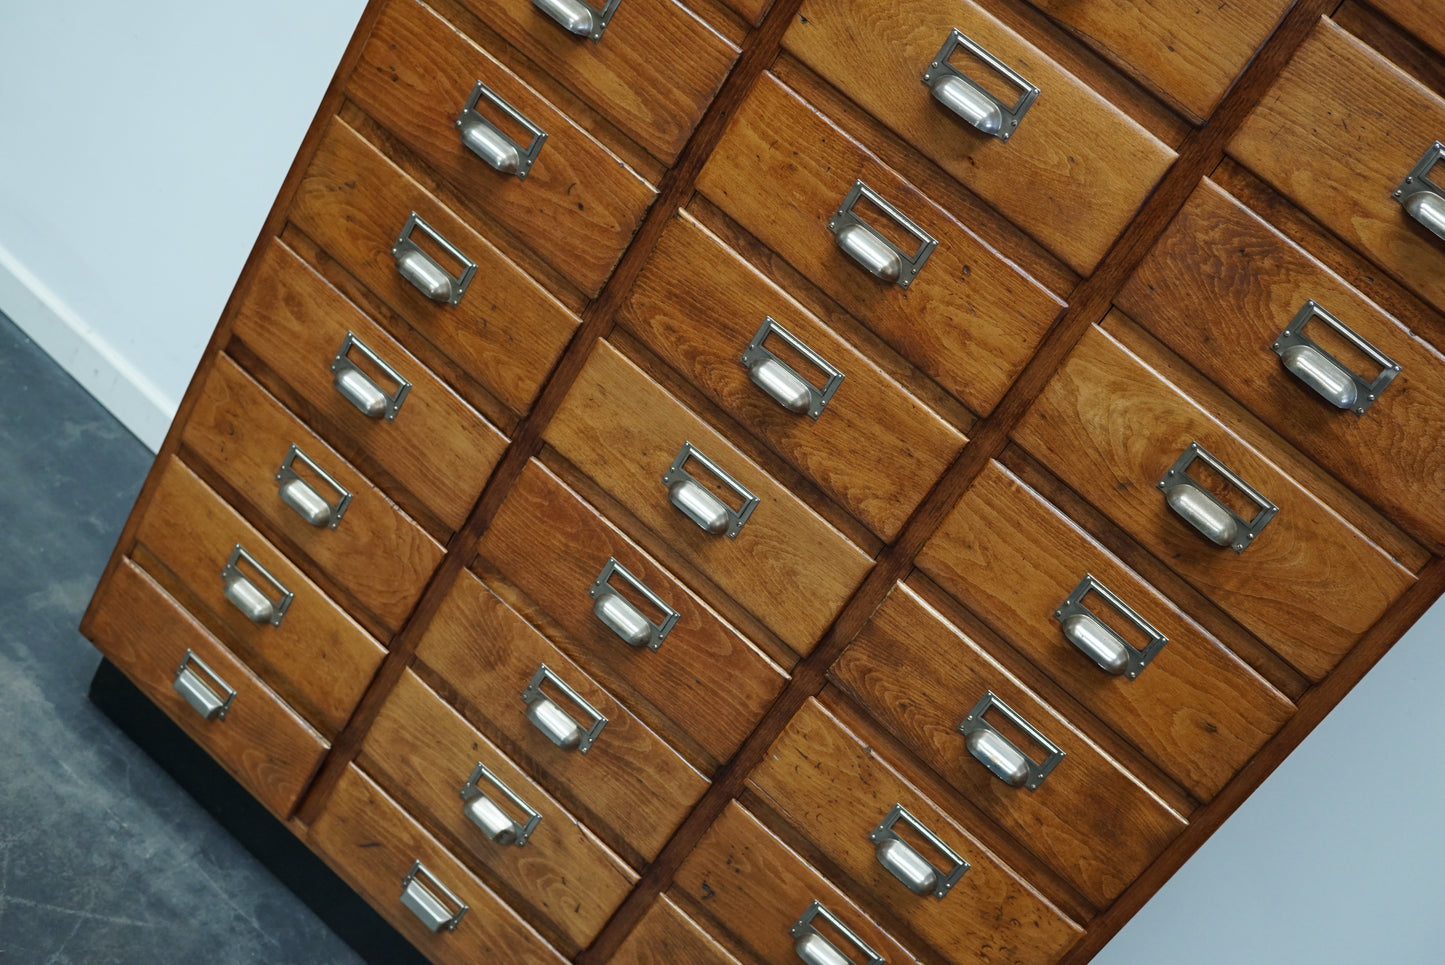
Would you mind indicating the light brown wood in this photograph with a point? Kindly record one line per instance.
(1091, 821)
(507, 332)
(1196, 710)
(261, 742)
(1072, 174)
(1417, 19)
(438, 448)
(373, 843)
(665, 936)
(836, 790)
(551, 545)
(1308, 586)
(422, 752)
(969, 319)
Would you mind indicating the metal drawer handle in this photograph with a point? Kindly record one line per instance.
(865, 245)
(1096, 640)
(698, 503)
(208, 694)
(905, 863)
(253, 602)
(813, 948)
(968, 99)
(430, 900)
(1327, 375)
(623, 618)
(554, 722)
(360, 389)
(1204, 511)
(302, 496)
(1421, 197)
(999, 754)
(780, 380)
(423, 271)
(488, 142)
(488, 815)
(579, 18)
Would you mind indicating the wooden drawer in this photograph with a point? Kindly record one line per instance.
(506, 331)
(787, 565)
(261, 742)
(376, 556)
(374, 844)
(969, 319)
(652, 74)
(1090, 820)
(1111, 428)
(875, 449)
(315, 656)
(1220, 288)
(578, 205)
(747, 882)
(1074, 170)
(1196, 709)
(1337, 134)
(837, 791)
(423, 753)
(629, 786)
(552, 546)
(1418, 20)
(436, 447)
(665, 936)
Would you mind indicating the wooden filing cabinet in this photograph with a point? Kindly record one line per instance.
(829, 480)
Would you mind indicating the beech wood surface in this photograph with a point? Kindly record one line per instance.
(969, 319)
(666, 936)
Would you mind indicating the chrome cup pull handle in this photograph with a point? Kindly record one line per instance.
(423, 271)
(879, 256)
(1330, 378)
(969, 99)
(1205, 511)
(361, 389)
(1098, 641)
(208, 694)
(700, 504)
(245, 595)
(554, 722)
(579, 18)
(904, 862)
(1422, 198)
(301, 495)
(490, 143)
(1000, 755)
(813, 948)
(431, 901)
(621, 616)
(483, 810)
(780, 381)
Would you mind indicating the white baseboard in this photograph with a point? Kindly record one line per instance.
(83, 352)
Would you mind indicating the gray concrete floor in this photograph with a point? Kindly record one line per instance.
(103, 858)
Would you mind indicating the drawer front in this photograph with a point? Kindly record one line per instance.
(315, 655)
(435, 446)
(699, 306)
(787, 565)
(553, 547)
(1196, 710)
(1111, 428)
(373, 844)
(578, 205)
(837, 791)
(1072, 173)
(665, 936)
(260, 741)
(506, 331)
(968, 318)
(1418, 19)
(630, 786)
(755, 888)
(423, 753)
(1090, 820)
(1222, 286)
(376, 555)
(652, 74)
(1337, 134)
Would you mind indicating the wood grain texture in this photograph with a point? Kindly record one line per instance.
(970, 319)
(507, 331)
(666, 936)
(835, 789)
(1074, 172)
(1308, 586)
(1417, 19)
(1197, 710)
(261, 742)
(876, 449)
(1090, 820)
